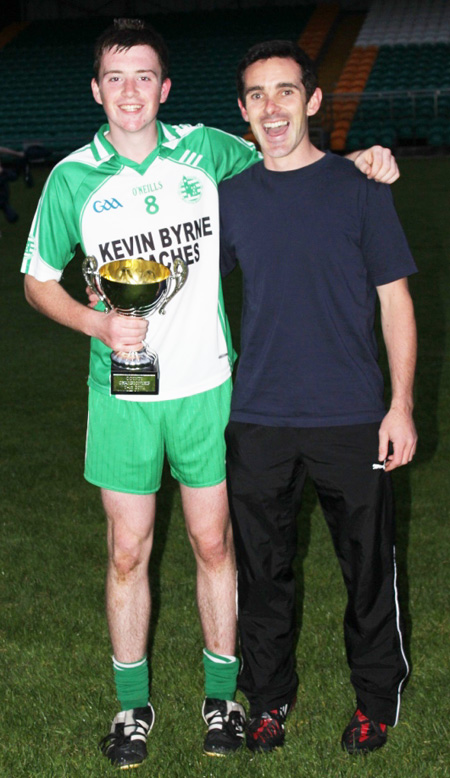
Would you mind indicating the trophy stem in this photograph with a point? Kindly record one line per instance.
(133, 359)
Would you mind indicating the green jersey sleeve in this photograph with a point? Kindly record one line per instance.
(231, 154)
(54, 232)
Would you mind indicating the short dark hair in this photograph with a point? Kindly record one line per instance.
(126, 33)
(278, 48)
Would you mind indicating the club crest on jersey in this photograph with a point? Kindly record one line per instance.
(190, 189)
(100, 206)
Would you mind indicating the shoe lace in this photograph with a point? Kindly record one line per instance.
(115, 738)
(215, 719)
(220, 720)
(266, 725)
(362, 727)
(236, 721)
(118, 737)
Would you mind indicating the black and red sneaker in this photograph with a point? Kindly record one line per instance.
(266, 731)
(362, 735)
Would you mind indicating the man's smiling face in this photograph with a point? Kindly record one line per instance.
(277, 109)
(130, 89)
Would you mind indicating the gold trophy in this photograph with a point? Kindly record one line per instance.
(135, 287)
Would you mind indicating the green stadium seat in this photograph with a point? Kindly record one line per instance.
(200, 43)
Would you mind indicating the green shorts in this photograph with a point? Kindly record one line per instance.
(126, 440)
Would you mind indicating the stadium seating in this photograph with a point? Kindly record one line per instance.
(53, 105)
(318, 28)
(346, 95)
(406, 93)
(394, 86)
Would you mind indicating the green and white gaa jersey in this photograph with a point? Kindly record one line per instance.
(161, 209)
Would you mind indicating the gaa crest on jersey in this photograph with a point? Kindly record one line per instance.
(100, 206)
(190, 189)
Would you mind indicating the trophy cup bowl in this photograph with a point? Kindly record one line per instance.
(134, 287)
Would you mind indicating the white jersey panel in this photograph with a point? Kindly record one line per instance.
(171, 211)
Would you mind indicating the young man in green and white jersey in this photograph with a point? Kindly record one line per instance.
(145, 189)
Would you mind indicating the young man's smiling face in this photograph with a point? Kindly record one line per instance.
(277, 109)
(130, 90)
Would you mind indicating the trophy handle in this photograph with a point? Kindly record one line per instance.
(178, 276)
(90, 267)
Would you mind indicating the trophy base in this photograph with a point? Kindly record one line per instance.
(140, 380)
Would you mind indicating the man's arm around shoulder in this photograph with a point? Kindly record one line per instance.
(376, 162)
(400, 337)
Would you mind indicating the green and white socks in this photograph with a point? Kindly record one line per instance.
(131, 683)
(220, 675)
(132, 679)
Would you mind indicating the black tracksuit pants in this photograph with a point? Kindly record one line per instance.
(266, 471)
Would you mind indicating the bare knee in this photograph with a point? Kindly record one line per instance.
(124, 563)
(209, 525)
(128, 552)
(213, 547)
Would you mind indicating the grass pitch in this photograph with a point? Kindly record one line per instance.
(56, 690)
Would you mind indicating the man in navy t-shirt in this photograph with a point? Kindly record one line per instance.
(318, 244)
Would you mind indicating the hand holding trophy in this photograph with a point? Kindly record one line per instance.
(135, 287)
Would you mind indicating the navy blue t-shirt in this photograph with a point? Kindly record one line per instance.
(313, 244)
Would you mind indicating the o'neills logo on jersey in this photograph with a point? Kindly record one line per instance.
(190, 189)
(147, 188)
(100, 206)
